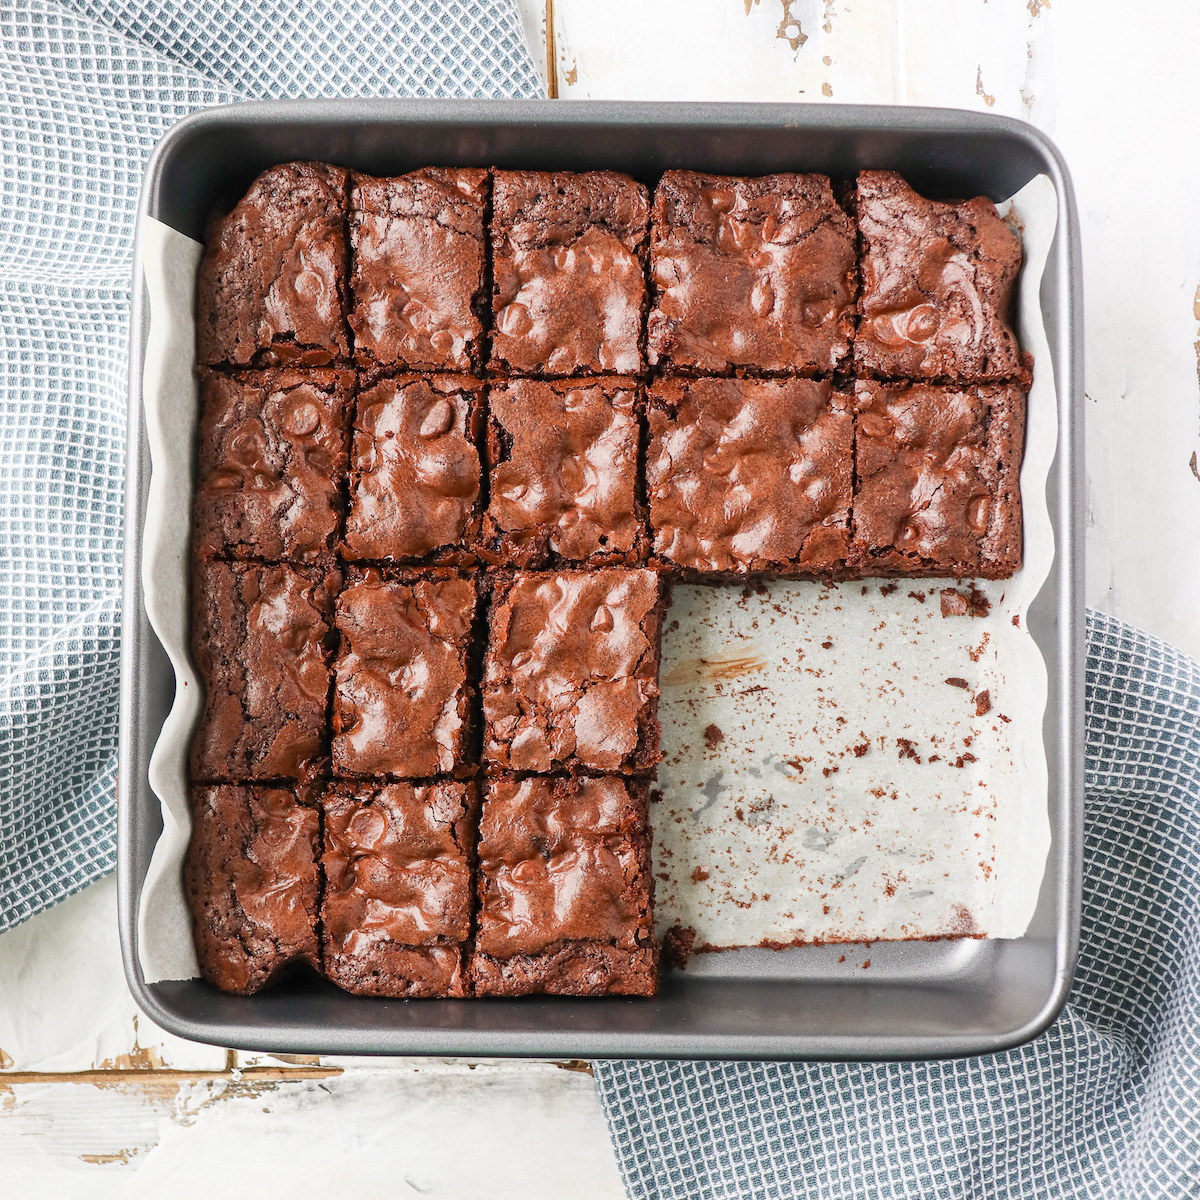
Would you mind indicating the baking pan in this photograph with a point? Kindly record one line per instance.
(923, 999)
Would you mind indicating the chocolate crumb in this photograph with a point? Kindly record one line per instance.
(983, 703)
(1017, 620)
(861, 749)
(700, 874)
(906, 749)
(958, 604)
(1006, 720)
(677, 945)
(713, 737)
(864, 591)
(920, 596)
(827, 771)
(843, 957)
(958, 682)
(866, 964)
(826, 645)
(888, 589)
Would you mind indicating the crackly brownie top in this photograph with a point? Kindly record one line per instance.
(757, 273)
(938, 474)
(746, 475)
(273, 451)
(937, 285)
(259, 643)
(272, 282)
(561, 860)
(401, 702)
(251, 880)
(418, 267)
(396, 864)
(571, 668)
(564, 469)
(569, 286)
(415, 471)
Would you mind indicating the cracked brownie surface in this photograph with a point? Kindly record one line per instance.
(750, 273)
(397, 905)
(250, 878)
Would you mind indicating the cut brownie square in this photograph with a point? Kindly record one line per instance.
(401, 703)
(563, 458)
(259, 638)
(272, 287)
(415, 470)
(938, 470)
(250, 877)
(397, 905)
(565, 889)
(571, 671)
(274, 452)
(750, 273)
(750, 476)
(417, 278)
(569, 284)
(937, 286)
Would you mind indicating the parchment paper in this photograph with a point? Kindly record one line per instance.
(779, 831)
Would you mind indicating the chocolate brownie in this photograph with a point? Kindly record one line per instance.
(938, 487)
(401, 703)
(937, 286)
(571, 671)
(750, 273)
(415, 470)
(273, 461)
(565, 889)
(272, 286)
(259, 640)
(569, 287)
(750, 476)
(250, 877)
(397, 905)
(417, 277)
(563, 459)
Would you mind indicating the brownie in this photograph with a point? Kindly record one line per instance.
(563, 458)
(417, 280)
(571, 671)
(937, 286)
(415, 470)
(273, 460)
(565, 889)
(250, 877)
(272, 287)
(397, 904)
(569, 287)
(938, 479)
(757, 274)
(750, 476)
(401, 703)
(259, 638)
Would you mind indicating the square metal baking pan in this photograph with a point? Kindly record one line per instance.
(922, 999)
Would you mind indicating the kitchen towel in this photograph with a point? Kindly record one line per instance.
(86, 89)
(1106, 1104)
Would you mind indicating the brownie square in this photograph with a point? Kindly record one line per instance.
(272, 287)
(259, 638)
(274, 452)
(417, 281)
(750, 476)
(938, 471)
(750, 273)
(937, 286)
(401, 702)
(563, 458)
(415, 470)
(569, 285)
(397, 903)
(250, 877)
(571, 671)
(565, 889)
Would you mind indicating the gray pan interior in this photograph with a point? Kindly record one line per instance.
(920, 999)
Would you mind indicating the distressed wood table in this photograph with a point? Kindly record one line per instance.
(94, 1101)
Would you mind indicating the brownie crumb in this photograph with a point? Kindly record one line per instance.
(888, 589)
(918, 596)
(713, 737)
(907, 750)
(861, 749)
(958, 682)
(983, 704)
(957, 604)
(1016, 620)
(700, 874)
(826, 645)
(677, 945)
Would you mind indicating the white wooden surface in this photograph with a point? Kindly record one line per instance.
(96, 1102)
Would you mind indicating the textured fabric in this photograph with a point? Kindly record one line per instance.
(86, 90)
(1105, 1104)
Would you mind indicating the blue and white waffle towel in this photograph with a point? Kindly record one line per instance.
(1104, 1106)
(87, 87)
